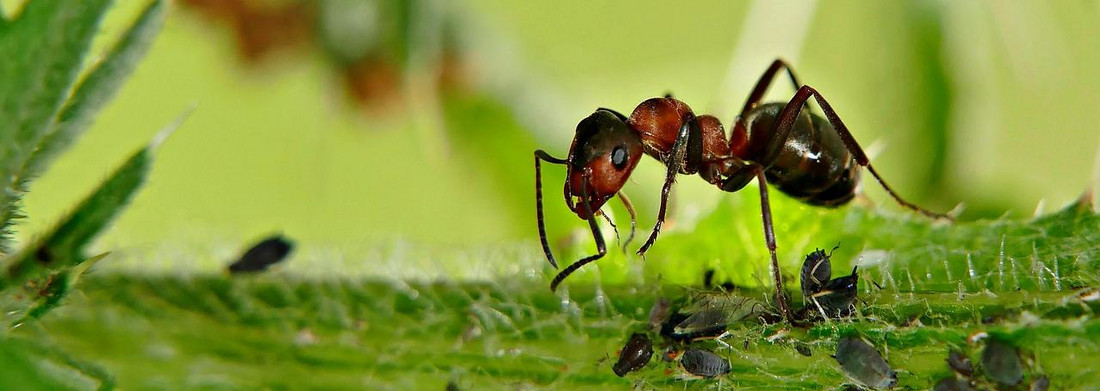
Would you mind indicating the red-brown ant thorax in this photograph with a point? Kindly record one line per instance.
(658, 121)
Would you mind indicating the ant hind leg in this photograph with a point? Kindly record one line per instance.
(786, 121)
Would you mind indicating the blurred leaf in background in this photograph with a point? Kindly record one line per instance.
(48, 103)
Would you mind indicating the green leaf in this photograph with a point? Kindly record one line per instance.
(55, 288)
(43, 51)
(63, 247)
(33, 364)
(97, 88)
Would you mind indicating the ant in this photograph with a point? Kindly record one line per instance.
(810, 158)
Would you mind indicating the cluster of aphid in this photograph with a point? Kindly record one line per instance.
(678, 328)
(710, 315)
(1002, 367)
(826, 297)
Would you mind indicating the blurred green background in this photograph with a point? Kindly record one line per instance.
(986, 103)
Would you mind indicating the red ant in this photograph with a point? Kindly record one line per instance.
(813, 159)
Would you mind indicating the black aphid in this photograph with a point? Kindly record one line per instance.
(703, 363)
(952, 384)
(960, 363)
(862, 363)
(1001, 363)
(803, 350)
(837, 297)
(816, 272)
(266, 253)
(635, 354)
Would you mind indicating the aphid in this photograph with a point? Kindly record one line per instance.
(635, 354)
(863, 364)
(1001, 363)
(960, 363)
(703, 363)
(266, 253)
(817, 270)
(809, 157)
(952, 384)
(838, 296)
(712, 316)
(803, 350)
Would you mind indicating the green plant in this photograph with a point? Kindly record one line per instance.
(47, 99)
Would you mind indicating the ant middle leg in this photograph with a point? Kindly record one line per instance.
(785, 123)
(735, 182)
(769, 238)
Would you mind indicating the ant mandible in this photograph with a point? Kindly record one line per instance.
(813, 159)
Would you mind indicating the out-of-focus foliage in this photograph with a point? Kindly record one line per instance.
(48, 100)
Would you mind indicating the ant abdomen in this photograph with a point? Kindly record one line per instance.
(811, 164)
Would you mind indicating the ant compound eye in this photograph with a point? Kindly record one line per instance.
(618, 157)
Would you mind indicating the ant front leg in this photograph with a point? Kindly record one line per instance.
(789, 115)
(539, 156)
(689, 130)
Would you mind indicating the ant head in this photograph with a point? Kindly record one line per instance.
(604, 152)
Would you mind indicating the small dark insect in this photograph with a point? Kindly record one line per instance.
(862, 363)
(960, 363)
(837, 297)
(1001, 363)
(703, 363)
(266, 253)
(817, 270)
(809, 156)
(952, 384)
(803, 350)
(452, 386)
(713, 313)
(635, 354)
(708, 323)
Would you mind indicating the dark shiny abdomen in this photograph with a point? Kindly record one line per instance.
(813, 164)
